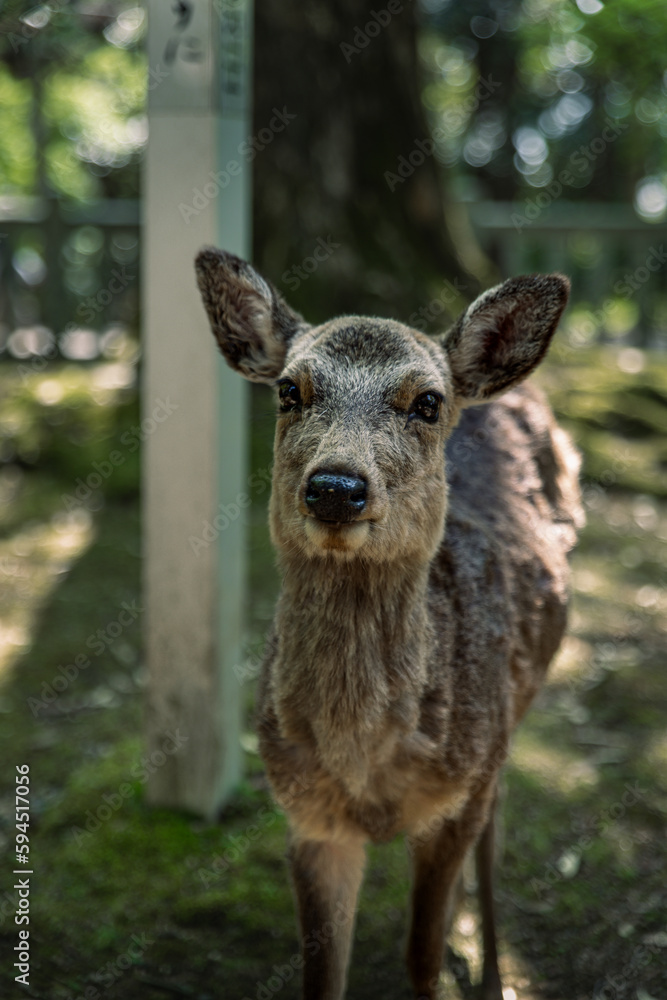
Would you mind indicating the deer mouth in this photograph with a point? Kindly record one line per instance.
(336, 536)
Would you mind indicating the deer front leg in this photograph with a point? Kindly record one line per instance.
(326, 878)
(437, 869)
(491, 985)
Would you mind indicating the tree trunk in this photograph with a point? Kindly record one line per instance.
(347, 177)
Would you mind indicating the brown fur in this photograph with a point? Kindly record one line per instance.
(408, 643)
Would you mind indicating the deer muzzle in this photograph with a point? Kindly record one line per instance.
(335, 497)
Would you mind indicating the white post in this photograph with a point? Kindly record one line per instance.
(196, 193)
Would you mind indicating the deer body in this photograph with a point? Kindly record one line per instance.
(422, 598)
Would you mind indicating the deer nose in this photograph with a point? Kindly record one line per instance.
(335, 497)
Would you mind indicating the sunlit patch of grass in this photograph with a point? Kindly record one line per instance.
(656, 753)
(560, 769)
(608, 582)
(31, 563)
(58, 426)
(618, 414)
(567, 665)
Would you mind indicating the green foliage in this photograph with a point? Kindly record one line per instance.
(17, 147)
(79, 93)
(559, 77)
(619, 419)
(95, 111)
(68, 424)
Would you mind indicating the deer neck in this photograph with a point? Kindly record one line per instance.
(352, 660)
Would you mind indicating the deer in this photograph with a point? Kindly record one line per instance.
(423, 505)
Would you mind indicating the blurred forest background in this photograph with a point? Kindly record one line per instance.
(436, 150)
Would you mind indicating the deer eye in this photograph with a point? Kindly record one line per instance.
(426, 407)
(289, 396)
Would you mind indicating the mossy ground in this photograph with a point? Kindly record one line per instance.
(131, 902)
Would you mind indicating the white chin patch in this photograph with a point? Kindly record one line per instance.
(341, 539)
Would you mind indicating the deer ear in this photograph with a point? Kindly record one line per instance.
(504, 334)
(250, 321)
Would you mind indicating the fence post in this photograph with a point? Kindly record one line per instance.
(196, 192)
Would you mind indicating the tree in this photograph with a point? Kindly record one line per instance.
(581, 90)
(349, 200)
(82, 74)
